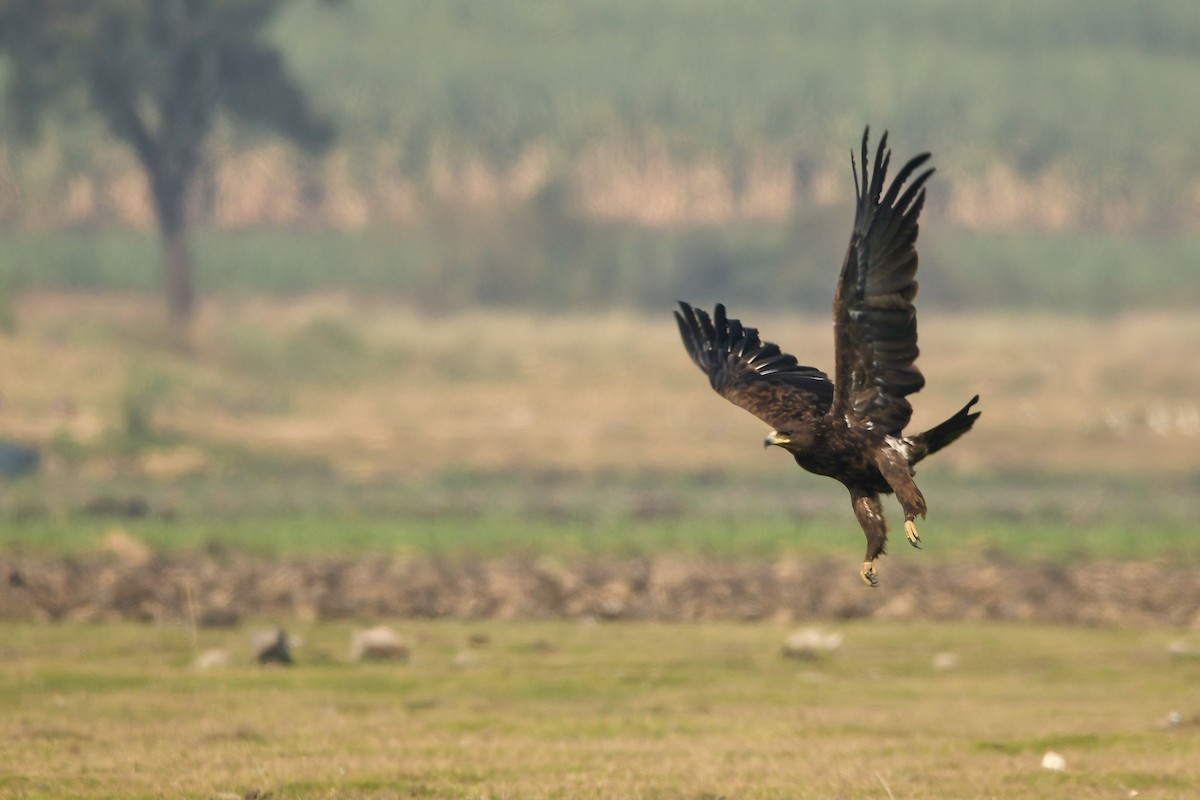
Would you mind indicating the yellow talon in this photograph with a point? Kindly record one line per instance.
(910, 530)
(869, 574)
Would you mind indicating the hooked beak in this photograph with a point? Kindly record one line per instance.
(775, 437)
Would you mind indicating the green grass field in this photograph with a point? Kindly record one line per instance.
(555, 710)
(732, 536)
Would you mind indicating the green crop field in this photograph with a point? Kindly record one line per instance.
(514, 155)
(1097, 87)
(552, 710)
(1037, 84)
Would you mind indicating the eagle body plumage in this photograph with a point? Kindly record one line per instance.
(850, 428)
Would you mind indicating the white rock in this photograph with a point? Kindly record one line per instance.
(1054, 761)
(811, 643)
(945, 661)
(212, 659)
(378, 644)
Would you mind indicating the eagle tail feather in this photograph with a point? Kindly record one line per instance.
(944, 433)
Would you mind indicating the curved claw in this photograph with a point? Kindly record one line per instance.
(910, 530)
(869, 574)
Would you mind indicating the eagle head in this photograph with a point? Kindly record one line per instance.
(777, 438)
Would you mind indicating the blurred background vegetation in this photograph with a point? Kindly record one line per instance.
(616, 153)
(458, 309)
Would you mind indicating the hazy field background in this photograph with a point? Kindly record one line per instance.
(355, 412)
(450, 339)
(608, 153)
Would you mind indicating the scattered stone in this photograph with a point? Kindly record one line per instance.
(1176, 719)
(1054, 761)
(810, 644)
(1181, 649)
(612, 608)
(270, 647)
(380, 643)
(943, 662)
(212, 659)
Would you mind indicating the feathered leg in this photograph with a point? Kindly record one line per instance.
(897, 473)
(870, 516)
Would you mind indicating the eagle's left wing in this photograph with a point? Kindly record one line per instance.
(751, 373)
(875, 323)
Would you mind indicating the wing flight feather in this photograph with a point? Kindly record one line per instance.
(749, 372)
(875, 322)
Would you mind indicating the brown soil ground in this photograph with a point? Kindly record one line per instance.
(209, 589)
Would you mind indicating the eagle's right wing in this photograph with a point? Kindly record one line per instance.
(875, 323)
(751, 373)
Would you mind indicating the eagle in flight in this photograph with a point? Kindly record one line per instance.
(850, 428)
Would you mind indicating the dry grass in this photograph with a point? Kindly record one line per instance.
(380, 389)
(578, 710)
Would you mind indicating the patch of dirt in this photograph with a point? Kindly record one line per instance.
(224, 588)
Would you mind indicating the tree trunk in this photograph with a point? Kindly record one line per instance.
(169, 178)
(177, 262)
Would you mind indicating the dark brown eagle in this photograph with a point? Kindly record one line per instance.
(850, 428)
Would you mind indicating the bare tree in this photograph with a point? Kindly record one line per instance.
(159, 72)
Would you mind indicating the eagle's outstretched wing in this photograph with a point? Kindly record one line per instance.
(751, 373)
(875, 324)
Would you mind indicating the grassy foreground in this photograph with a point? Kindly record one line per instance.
(535, 710)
